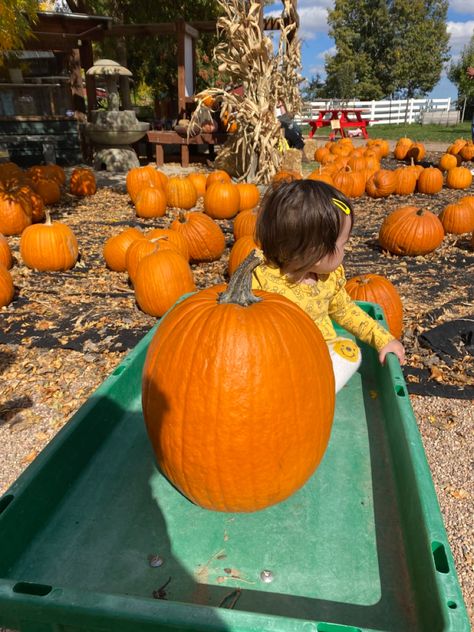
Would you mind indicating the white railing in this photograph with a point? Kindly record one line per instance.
(378, 112)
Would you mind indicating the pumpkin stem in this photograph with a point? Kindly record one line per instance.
(47, 221)
(239, 290)
(182, 217)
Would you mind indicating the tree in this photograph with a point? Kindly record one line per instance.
(16, 17)
(420, 45)
(362, 34)
(314, 89)
(386, 46)
(457, 72)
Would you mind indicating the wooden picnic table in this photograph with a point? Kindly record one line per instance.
(339, 119)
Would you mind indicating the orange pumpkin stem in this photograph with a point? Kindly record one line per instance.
(47, 220)
(239, 290)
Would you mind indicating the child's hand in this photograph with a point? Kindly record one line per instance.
(394, 346)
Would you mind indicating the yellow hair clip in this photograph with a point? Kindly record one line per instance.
(342, 206)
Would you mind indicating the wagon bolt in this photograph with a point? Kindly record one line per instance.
(267, 576)
(156, 561)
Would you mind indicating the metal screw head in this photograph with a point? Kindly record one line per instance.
(267, 576)
(155, 561)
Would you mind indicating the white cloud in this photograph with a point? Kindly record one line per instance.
(328, 51)
(462, 6)
(313, 20)
(460, 34)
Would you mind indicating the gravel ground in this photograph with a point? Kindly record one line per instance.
(37, 408)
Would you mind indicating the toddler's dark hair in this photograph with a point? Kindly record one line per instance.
(298, 224)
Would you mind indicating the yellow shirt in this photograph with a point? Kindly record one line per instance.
(325, 299)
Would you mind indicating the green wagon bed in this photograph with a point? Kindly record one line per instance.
(93, 538)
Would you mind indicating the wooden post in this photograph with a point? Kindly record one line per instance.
(87, 61)
(77, 86)
(181, 32)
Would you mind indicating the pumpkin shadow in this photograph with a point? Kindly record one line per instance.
(7, 358)
(10, 410)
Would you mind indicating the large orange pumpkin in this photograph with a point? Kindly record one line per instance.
(205, 239)
(238, 421)
(7, 290)
(150, 202)
(430, 181)
(381, 184)
(410, 230)
(459, 178)
(49, 190)
(140, 177)
(160, 279)
(249, 195)
(51, 246)
(199, 180)
(181, 192)
(378, 289)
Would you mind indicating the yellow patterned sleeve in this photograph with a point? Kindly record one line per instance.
(347, 314)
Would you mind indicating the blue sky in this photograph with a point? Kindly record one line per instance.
(316, 42)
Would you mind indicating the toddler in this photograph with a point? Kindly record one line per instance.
(302, 228)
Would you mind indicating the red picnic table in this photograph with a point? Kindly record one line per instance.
(339, 119)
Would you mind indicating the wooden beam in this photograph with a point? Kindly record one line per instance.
(159, 28)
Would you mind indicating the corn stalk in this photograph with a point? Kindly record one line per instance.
(246, 55)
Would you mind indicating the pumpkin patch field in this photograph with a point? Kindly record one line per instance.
(86, 276)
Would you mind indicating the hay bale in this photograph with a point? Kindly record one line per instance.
(292, 159)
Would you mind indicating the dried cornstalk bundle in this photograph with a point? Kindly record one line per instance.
(254, 151)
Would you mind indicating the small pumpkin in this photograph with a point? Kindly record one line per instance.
(238, 421)
(205, 239)
(351, 183)
(49, 190)
(381, 184)
(410, 230)
(457, 218)
(140, 177)
(15, 212)
(249, 195)
(467, 151)
(7, 290)
(288, 175)
(82, 182)
(141, 248)
(416, 152)
(219, 175)
(244, 223)
(51, 246)
(199, 180)
(160, 279)
(6, 258)
(221, 200)
(150, 202)
(459, 178)
(376, 288)
(430, 181)
(448, 161)
(36, 203)
(115, 248)
(401, 148)
(173, 236)
(241, 249)
(406, 181)
(181, 192)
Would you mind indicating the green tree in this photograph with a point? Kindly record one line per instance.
(362, 35)
(314, 89)
(16, 17)
(420, 45)
(457, 72)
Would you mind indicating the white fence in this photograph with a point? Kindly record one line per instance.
(377, 112)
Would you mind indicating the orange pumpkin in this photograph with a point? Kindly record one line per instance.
(320, 153)
(457, 218)
(456, 147)
(416, 151)
(51, 246)
(205, 239)
(141, 248)
(401, 148)
(241, 249)
(150, 202)
(406, 181)
(467, 151)
(140, 177)
(448, 161)
(15, 213)
(160, 279)
(7, 290)
(49, 190)
(410, 230)
(430, 181)
(249, 195)
(173, 236)
(199, 180)
(115, 248)
(287, 175)
(82, 182)
(181, 192)
(238, 422)
(381, 184)
(322, 175)
(351, 183)
(221, 200)
(217, 176)
(459, 178)
(36, 203)
(378, 289)
(244, 223)
(6, 258)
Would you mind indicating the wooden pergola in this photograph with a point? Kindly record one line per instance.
(74, 33)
